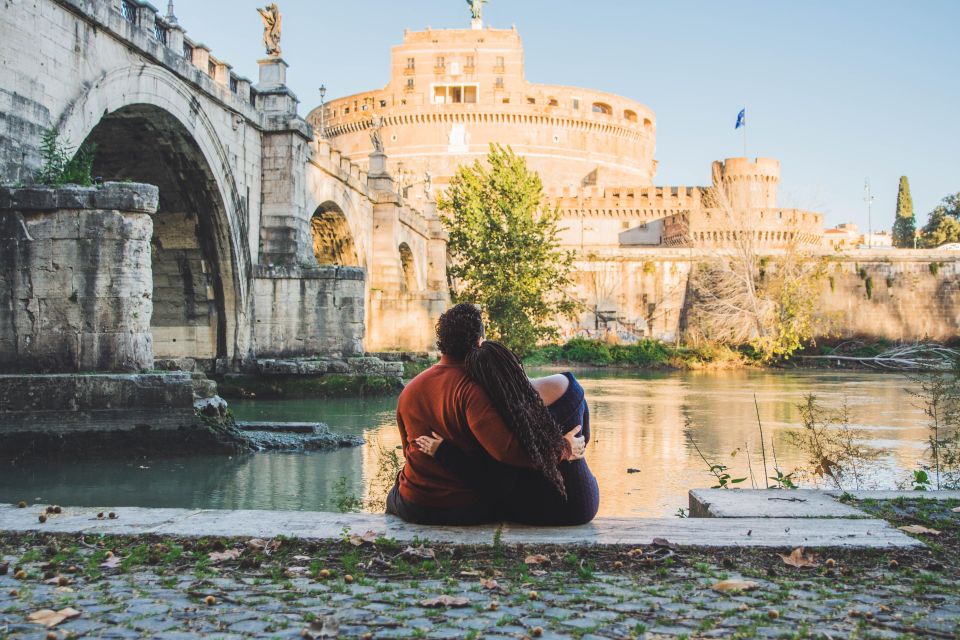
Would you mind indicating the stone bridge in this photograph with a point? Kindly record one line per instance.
(265, 242)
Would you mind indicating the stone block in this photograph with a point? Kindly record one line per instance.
(366, 366)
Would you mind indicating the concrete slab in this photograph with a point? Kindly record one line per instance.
(692, 532)
(894, 495)
(762, 503)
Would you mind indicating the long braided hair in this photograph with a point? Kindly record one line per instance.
(495, 368)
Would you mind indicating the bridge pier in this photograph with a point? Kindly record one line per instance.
(75, 278)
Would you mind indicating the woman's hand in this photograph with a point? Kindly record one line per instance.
(574, 443)
(428, 444)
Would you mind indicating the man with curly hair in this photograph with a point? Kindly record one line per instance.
(444, 400)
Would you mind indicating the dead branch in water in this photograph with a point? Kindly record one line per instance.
(912, 357)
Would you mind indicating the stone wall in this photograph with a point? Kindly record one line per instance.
(912, 295)
(899, 295)
(75, 278)
(308, 311)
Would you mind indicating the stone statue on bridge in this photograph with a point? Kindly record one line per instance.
(271, 28)
(476, 8)
(376, 124)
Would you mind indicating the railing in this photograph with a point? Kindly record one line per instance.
(129, 11)
(188, 51)
(160, 32)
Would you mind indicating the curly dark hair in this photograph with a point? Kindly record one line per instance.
(459, 330)
(500, 372)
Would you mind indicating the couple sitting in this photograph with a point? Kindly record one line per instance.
(484, 443)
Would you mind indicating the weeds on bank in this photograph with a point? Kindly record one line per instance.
(939, 397)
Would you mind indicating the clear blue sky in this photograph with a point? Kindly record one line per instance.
(837, 90)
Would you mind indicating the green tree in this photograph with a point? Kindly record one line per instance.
(944, 223)
(505, 250)
(905, 225)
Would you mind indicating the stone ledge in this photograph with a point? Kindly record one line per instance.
(288, 272)
(799, 503)
(689, 532)
(765, 503)
(113, 196)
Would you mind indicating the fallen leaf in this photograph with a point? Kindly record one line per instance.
(256, 544)
(916, 528)
(421, 552)
(217, 557)
(797, 559)
(538, 572)
(488, 583)
(471, 574)
(50, 618)
(734, 586)
(633, 553)
(294, 572)
(368, 538)
(444, 601)
(300, 558)
(537, 559)
(111, 563)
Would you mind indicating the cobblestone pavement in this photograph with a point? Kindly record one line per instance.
(170, 588)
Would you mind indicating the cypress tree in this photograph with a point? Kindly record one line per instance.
(905, 224)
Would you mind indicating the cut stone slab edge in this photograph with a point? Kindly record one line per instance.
(685, 532)
(797, 503)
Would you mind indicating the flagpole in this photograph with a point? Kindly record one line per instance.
(744, 132)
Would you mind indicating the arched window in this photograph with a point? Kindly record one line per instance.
(630, 115)
(602, 107)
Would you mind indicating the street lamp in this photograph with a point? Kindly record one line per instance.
(323, 128)
(868, 198)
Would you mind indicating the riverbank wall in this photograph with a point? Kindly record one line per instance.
(892, 294)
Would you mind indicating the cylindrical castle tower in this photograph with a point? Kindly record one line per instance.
(454, 92)
(748, 184)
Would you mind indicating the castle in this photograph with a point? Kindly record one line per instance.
(454, 92)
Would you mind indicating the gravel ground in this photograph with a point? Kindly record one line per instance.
(357, 588)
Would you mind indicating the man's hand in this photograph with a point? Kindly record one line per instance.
(429, 445)
(574, 443)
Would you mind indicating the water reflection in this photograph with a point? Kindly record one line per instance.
(645, 422)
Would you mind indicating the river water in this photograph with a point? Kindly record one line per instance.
(641, 422)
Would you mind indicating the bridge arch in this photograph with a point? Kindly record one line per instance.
(333, 241)
(409, 282)
(149, 127)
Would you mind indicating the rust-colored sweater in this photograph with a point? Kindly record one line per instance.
(445, 400)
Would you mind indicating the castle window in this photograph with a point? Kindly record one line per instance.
(383, 104)
(441, 63)
(647, 124)
(499, 83)
(576, 104)
(409, 84)
(469, 63)
(411, 63)
(601, 107)
(630, 115)
(506, 101)
(554, 103)
(531, 101)
(454, 94)
(500, 64)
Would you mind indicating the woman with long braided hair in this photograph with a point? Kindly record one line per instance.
(556, 491)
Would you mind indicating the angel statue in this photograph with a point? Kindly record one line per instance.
(271, 28)
(476, 8)
(376, 124)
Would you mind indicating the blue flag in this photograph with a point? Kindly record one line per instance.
(741, 119)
